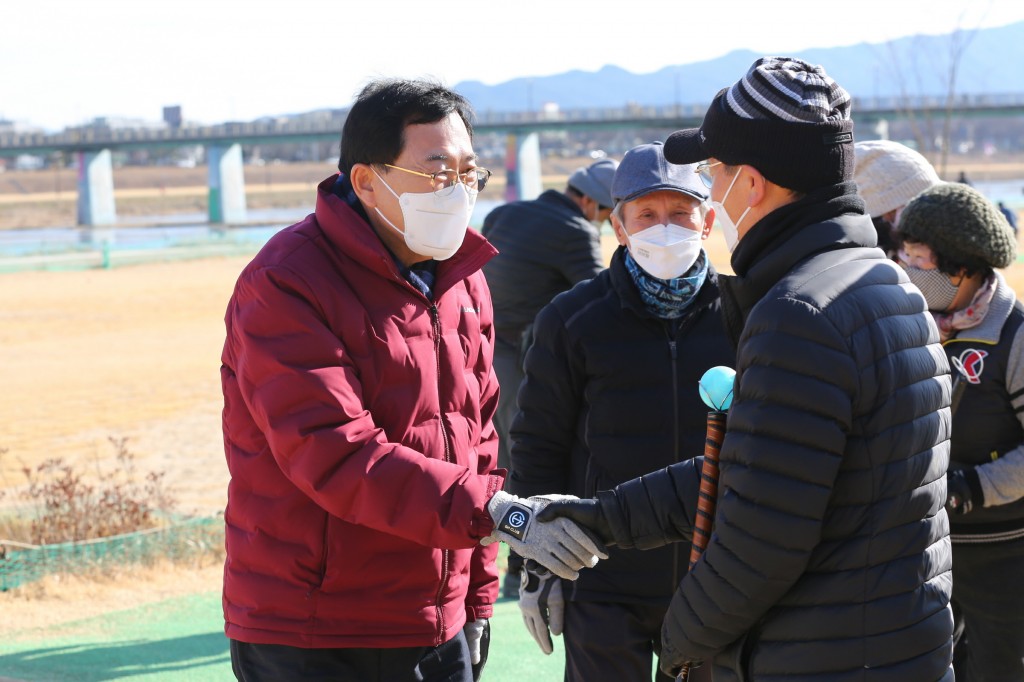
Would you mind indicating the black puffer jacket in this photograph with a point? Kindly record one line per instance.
(545, 246)
(830, 558)
(610, 394)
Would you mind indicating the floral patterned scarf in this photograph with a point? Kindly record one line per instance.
(970, 316)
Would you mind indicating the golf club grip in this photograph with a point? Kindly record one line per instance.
(708, 485)
(706, 498)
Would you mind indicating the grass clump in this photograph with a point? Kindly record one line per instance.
(63, 505)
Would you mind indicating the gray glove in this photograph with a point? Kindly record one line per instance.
(559, 545)
(542, 605)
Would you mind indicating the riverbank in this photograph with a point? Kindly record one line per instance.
(48, 198)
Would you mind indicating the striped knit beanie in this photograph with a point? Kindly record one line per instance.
(786, 118)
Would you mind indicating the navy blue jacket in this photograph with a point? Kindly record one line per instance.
(830, 558)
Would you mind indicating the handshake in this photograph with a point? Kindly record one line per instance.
(564, 538)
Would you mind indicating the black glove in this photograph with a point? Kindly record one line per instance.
(587, 514)
(963, 491)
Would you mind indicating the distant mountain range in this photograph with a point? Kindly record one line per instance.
(992, 62)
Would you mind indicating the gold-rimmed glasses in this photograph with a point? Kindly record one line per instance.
(703, 170)
(444, 181)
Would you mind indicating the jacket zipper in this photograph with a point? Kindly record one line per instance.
(445, 555)
(673, 352)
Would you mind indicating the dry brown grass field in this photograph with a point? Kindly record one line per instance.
(132, 353)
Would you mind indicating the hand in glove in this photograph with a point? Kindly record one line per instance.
(478, 636)
(586, 513)
(671, 661)
(560, 545)
(541, 603)
(963, 491)
(675, 670)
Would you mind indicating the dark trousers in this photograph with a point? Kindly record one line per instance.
(988, 595)
(508, 368)
(613, 642)
(275, 663)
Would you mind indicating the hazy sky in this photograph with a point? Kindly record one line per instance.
(64, 62)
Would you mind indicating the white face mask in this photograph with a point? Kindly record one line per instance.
(730, 229)
(665, 251)
(434, 225)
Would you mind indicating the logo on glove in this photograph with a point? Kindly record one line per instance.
(516, 521)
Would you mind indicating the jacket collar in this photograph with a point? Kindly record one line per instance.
(827, 219)
(553, 196)
(991, 328)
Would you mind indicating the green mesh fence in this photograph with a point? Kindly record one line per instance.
(179, 541)
(89, 259)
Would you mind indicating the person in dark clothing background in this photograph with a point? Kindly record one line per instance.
(830, 556)
(1009, 214)
(545, 246)
(642, 331)
(952, 241)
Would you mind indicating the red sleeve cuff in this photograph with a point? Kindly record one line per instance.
(479, 612)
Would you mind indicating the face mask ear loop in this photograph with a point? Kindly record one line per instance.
(726, 195)
(734, 179)
(385, 183)
(377, 209)
(742, 216)
(736, 225)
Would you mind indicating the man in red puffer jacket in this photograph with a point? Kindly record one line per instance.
(358, 396)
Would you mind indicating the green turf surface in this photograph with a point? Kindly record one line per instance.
(182, 640)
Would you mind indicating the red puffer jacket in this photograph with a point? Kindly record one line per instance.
(357, 430)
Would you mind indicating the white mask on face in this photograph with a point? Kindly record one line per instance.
(434, 225)
(665, 251)
(729, 228)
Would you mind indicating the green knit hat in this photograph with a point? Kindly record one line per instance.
(958, 222)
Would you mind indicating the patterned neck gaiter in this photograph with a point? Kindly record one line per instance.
(668, 299)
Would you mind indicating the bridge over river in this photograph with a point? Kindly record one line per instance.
(93, 146)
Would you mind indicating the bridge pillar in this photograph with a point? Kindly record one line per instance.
(881, 129)
(522, 166)
(226, 179)
(96, 188)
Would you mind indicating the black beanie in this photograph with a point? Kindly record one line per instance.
(786, 118)
(957, 222)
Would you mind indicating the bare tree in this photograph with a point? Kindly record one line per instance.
(959, 41)
(905, 71)
(908, 72)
